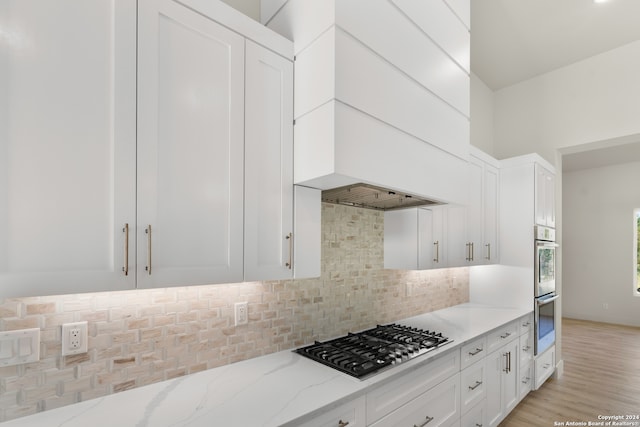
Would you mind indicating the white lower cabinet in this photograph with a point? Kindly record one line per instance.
(502, 382)
(466, 387)
(390, 397)
(526, 380)
(473, 385)
(473, 351)
(440, 406)
(350, 414)
(476, 417)
(545, 365)
(525, 367)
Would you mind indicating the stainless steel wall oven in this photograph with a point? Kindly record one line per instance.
(545, 288)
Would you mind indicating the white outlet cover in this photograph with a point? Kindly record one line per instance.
(75, 337)
(241, 313)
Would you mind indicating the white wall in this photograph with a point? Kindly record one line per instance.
(592, 100)
(251, 8)
(598, 243)
(481, 115)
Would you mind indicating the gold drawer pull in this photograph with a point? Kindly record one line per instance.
(429, 419)
(473, 353)
(478, 383)
(125, 268)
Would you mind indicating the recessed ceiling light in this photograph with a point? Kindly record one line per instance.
(600, 1)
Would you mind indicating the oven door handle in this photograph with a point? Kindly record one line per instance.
(547, 300)
(543, 244)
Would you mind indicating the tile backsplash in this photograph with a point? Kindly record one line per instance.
(144, 336)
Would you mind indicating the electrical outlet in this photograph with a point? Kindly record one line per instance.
(242, 313)
(75, 337)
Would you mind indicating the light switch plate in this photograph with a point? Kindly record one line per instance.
(18, 347)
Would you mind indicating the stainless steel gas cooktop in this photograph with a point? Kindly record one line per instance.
(365, 353)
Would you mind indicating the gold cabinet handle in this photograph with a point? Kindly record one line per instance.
(437, 245)
(429, 419)
(473, 353)
(289, 237)
(148, 267)
(125, 267)
(488, 245)
(468, 257)
(472, 251)
(477, 384)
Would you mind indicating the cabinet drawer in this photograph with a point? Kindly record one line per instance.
(439, 406)
(526, 348)
(471, 352)
(392, 395)
(525, 324)
(350, 414)
(477, 416)
(526, 379)
(473, 385)
(501, 336)
(545, 365)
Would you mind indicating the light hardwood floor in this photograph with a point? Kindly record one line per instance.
(601, 377)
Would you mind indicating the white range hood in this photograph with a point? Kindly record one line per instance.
(381, 93)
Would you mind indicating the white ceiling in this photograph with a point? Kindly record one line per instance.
(515, 40)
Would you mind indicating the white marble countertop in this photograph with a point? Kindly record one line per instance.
(279, 389)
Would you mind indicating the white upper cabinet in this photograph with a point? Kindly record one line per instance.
(268, 219)
(67, 146)
(473, 244)
(407, 239)
(545, 197)
(190, 148)
(490, 212)
(482, 220)
(133, 126)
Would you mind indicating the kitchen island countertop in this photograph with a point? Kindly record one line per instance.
(279, 389)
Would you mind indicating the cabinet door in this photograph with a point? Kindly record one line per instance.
(473, 388)
(268, 204)
(426, 247)
(307, 222)
(495, 363)
(526, 380)
(510, 377)
(490, 210)
(475, 213)
(190, 148)
(67, 146)
(458, 247)
(476, 417)
(350, 414)
(401, 239)
(439, 237)
(550, 200)
(545, 197)
(439, 406)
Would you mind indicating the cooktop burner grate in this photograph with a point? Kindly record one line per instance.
(364, 353)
